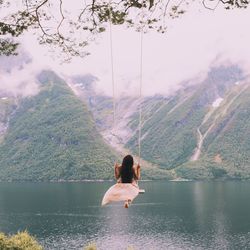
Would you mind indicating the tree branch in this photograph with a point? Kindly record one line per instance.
(209, 8)
(38, 18)
(62, 19)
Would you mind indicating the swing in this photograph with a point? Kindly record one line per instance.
(126, 192)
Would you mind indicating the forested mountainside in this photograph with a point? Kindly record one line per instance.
(51, 136)
(200, 132)
(66, 131)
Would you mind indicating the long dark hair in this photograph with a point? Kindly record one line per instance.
(127, 173)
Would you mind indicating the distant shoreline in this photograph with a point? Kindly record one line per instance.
(100, 180)
(65, 181)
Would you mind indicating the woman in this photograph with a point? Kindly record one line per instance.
(127, 173)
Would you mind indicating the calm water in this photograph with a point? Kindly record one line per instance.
(170, 215)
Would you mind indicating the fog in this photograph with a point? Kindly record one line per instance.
(194, 43)
(18, 75)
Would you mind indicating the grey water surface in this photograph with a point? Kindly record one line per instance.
(170, 215)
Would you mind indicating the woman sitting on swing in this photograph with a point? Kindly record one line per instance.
(127, 173)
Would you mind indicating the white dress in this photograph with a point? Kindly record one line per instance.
(121, 192)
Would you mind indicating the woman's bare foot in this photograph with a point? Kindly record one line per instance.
(127, 203)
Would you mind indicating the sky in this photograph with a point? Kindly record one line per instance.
(194, 43)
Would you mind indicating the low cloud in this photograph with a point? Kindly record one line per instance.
(194, 43)
(18, 76)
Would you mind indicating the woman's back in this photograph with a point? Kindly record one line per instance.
(127, 172)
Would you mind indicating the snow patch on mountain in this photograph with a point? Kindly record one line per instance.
(217, 102)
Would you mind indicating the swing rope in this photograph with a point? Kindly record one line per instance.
(112, 69)
(113, 83)
(140, 99)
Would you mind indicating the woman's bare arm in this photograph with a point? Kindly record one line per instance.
(137, 171)
(117, 171)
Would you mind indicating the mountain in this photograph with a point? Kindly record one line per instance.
(228, 133)
(7, 107)
(201, 131)
(67, 131)
(101, 107)
(52, 136)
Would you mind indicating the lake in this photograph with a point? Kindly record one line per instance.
(170, 215)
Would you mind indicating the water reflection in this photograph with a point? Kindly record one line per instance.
(192, 215)
(220, 218)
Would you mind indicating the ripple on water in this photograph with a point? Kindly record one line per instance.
(169, 216)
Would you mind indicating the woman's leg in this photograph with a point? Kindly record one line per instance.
(127, 203)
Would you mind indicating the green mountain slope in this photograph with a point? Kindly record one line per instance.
(101, 107)
(226, 148)
(200, 132)
(228, 143)
(7, 107)
(170, 131)
(52, 136)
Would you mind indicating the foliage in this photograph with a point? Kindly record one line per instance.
(170, 132)
(229, 139)
(8, 47)
(169, 128)
(60, 28)
(102, 108)
(7, 107)
(156, 173)
(170, 125)
(19, 241)
(202, 170)
(52, 136)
